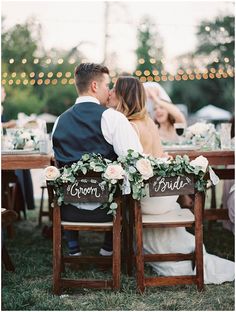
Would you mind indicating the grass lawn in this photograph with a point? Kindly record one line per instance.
(30, 287)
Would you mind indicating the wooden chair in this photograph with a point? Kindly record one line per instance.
(59, 259)
(8, 217)
(184, 218)
(215, 213)
(42, 212)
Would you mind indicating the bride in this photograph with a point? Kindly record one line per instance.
(128, 97)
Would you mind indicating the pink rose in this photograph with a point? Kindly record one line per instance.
(145, 168)
(51, 173)
(114, 172)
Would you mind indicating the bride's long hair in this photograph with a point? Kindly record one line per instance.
(131, 96)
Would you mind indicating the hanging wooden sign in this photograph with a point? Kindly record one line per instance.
(86, 190)
(167, 186)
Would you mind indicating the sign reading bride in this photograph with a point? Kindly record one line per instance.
(86, 190)
(159, 186)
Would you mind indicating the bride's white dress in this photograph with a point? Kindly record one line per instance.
(178, 240)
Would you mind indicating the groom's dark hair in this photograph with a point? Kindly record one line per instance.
(85, 73)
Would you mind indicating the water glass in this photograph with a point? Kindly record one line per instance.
(225, 136)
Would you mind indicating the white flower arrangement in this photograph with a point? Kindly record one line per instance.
(129, 172)
(23, 139)
(203, 134)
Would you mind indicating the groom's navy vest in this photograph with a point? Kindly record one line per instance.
(78, 132)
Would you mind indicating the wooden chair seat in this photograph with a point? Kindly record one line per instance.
(107, 225)
(171, 217)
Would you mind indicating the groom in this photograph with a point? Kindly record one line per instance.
(89, 127)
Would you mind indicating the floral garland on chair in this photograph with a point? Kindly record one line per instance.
(140, 168)
(111, 173)
(129, 173)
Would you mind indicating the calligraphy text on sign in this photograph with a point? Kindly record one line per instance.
(160, 186)
(86, 190)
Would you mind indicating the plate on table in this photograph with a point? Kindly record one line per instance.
(20, 152)
(186, 147)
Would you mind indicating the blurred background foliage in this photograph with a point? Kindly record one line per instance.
(24, 42)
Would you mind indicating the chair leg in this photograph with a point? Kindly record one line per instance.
(139, 247)
(116, 263)
(199, 241)
(41, 207)
(130, 262)
(57, 255)
(7, 260)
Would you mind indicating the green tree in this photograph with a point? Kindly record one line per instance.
(215, 42)
(20, 42)
(217, 39)
(150, 47)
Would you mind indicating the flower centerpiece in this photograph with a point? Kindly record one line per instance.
(22, 139)
(111, 174)
(203, 134)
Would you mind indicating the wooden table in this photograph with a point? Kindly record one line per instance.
(27, 161)
(219, 160)
(215, 158)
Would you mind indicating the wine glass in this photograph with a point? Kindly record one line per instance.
(180, 129)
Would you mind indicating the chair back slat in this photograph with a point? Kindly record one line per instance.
(86, 189)
(168, 186)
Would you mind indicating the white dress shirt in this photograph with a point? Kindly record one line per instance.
(117, 131)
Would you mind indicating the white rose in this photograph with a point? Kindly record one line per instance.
(25, 135)
(51, 173)
(114, 172)
(200, 161)
(145, 168)
(29, 144)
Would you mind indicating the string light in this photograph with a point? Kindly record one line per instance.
(54, 81)
(32, 82)
(207, 28)
(13, 75)
(138, 73)
(60, 61)
(72, 61)
(50, 74)
(24, 61)
(32, 74)
(155, 72)
(47, 81)
(149, 78)
(141, 61)
(152, 61)
(18, 81)
(157, 78)
(4, 81)
(48, 61)
(4, 75)
(11, 61)
(25, 81)
(10, 82)
(36, 61)
(41, 74)
(23, 75)
(59, 74)
(146, 73)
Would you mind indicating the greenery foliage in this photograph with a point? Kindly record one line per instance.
(132, 177)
